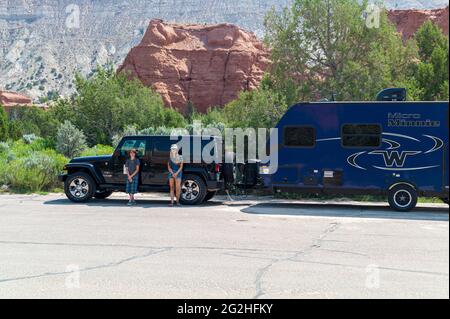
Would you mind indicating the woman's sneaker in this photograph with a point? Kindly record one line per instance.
(130, 203)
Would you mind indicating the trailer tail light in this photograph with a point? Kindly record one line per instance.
(217, 168)
(264, 170)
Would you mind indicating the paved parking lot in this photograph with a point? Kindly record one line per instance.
(51, 248)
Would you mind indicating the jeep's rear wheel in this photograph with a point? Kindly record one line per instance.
(101, 194)
(79, 187)
(193, 190)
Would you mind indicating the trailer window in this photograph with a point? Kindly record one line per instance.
(361, 135)
(299, 136)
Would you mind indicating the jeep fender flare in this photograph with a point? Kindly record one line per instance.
(85, 167)
(196, 171)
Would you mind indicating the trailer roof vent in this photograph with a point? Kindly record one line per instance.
(392, 94)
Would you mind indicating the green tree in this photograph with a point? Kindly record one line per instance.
(212, 117)
(429, 37)
(325, 48)
(70, 141)
(107, 102)
(259, 108)
(32, 120)
(63, 109)
(4, 127)
(432, 73)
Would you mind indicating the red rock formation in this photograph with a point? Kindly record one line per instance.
(10, 99)
(207, 65)
(409, 21)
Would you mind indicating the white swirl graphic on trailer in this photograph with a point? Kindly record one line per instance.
(393, 159)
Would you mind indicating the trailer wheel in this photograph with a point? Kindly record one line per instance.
(402, 198)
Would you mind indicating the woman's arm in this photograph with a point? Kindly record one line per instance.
(180, 169)
(136, 171)
(169, 168)
(128, 171)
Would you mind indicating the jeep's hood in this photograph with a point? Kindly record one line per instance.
(91, 159)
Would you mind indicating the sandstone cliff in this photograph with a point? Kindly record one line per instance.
(207, 65)
(10, 99)
(409, 21)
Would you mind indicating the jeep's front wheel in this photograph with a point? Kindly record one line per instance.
(193, 190)
(79, 187)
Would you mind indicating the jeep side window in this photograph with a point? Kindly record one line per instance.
(161, 149)
(139, 145)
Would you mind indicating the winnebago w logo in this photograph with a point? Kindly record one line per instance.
(395, 158)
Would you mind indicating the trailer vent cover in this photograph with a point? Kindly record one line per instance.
(392, 94)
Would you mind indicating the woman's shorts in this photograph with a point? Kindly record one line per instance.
(179, 176)
(132, 187)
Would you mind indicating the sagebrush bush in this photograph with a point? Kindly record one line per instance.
(4, 125)
(4, 148)
(70, 141)
(3, 165)
(38, 171)
(30, 138)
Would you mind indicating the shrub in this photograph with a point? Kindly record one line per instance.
(32, 120)
(3, 124)
(3, 166)
(258, 108)
(107, 103)
(161, 130)
(128, 131)
(98, 150)
(29, 138)
(70, 141)
(4, 148)
(36, 172)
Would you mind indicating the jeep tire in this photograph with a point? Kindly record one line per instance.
(193, 190)
(79, 187)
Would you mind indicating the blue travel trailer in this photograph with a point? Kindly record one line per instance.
(398, 149)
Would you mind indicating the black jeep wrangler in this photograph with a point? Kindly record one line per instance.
(100, 176)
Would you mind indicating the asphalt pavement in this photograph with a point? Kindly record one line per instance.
(253, 248)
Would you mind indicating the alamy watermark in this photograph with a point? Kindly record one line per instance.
(72, 280)
(232, 145)
(373, 276)
(372, 15)
(73, 16)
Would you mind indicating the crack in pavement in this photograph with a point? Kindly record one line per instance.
(315, 245)
(5, 242)
(108, 265)
(134, 257)
(380, 267)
